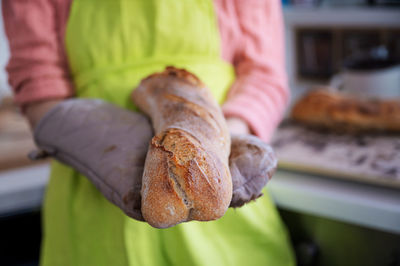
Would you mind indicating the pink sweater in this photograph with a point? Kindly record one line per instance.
(251, 38)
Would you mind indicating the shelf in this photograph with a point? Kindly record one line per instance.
(22, 189)
(342, 17)
(351, 202)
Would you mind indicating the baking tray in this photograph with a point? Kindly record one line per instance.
(368, 158)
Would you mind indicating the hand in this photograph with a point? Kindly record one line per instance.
(105, 143)
(252, 163)
(237, 126)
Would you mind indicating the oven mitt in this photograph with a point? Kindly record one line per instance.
(108, 145)
(252, 163)
(105, 143)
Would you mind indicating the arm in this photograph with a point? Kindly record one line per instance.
(37, 68)
(259, 94)
(35, 111)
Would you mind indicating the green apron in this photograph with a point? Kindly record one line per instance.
(111, 46)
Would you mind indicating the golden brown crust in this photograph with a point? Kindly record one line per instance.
(326, 109)
(186, 173)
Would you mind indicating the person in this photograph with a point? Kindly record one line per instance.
(102, 49)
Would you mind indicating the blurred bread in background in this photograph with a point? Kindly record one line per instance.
(335, 111)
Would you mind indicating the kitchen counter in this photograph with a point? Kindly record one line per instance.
(370, 206)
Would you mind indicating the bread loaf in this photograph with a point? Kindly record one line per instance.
(340, 112)
(186, 175)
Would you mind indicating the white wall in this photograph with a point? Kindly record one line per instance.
(4, 54)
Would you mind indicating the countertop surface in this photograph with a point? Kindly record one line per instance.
(366, 205)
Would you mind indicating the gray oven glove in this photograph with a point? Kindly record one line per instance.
(108, 145)
(252, 163)
(105, 143)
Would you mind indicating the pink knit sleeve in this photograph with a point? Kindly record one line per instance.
(37, 68)
(260, 93)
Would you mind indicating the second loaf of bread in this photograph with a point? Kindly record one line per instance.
(340, 112)
(186, 175)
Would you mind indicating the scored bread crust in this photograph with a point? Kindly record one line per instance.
(186, 175)
(339, 112)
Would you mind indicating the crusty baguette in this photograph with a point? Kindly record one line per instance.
(186, 175)
(340, 112)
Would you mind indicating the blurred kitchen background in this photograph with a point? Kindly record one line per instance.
(341, 205)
